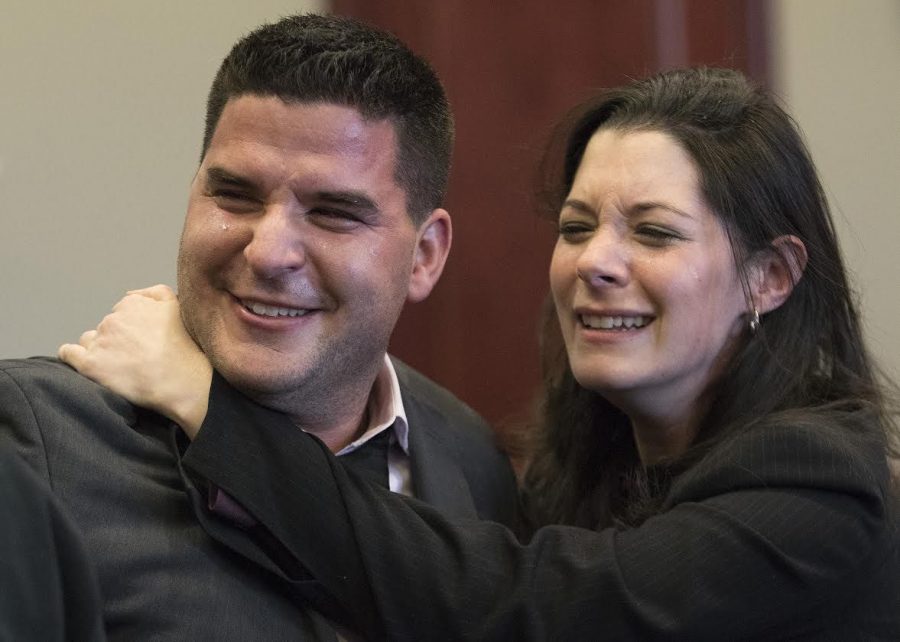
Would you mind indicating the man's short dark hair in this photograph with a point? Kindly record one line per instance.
(314, 58)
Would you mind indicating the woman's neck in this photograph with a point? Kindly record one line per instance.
(664, 431)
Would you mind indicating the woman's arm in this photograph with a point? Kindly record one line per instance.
(777, 528)
(766, 534)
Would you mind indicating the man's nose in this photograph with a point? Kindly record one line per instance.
(276, 245)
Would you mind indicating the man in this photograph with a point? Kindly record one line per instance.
(49, 585)
(315, 214)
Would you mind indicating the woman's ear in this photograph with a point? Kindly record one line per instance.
(775, 271)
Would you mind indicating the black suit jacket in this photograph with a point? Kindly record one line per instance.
(169, 570)
(49, 588)
(783, 532)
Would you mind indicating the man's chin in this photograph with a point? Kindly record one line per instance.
(261, 384)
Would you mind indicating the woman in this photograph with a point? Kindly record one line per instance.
(713, 453)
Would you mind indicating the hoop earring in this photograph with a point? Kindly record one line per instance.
(754, 321)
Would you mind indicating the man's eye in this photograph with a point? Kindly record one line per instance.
(332, 213)
(234, 202)
(229, 195)
(333, 218)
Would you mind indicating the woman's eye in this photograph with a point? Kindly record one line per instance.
(573, 231)
(657, 235)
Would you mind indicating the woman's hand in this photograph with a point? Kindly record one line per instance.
(142, 352)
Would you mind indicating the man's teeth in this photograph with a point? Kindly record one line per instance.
(273, 311)
(613, 323)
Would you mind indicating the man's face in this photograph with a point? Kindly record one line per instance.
(298, 251)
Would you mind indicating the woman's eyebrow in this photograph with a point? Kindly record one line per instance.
(652, 205)
(643, 206)
(579, 205)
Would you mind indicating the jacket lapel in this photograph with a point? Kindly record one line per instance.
(433, 458)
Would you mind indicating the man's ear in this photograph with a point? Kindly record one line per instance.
(432, 247)
(775, 271)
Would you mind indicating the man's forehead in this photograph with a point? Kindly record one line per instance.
(315, 126)
(297, 106)
(251, 123)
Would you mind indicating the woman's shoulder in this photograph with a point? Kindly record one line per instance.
(830, 448)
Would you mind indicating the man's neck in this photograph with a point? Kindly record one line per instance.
(337, 436)
(337, 418)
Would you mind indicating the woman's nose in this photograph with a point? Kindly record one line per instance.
(604, 261)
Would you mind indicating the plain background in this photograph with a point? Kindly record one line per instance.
(102, 108)
(836, 65)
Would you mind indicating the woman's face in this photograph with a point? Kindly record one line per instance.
(643, 277)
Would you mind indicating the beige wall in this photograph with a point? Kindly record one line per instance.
(101, 116)
(837, 67)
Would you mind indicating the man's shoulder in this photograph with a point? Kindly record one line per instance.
(38, 369)
(447, 430)
(437, 416)
(33, 364)
(48, 378)
(417, 389)
(46, 406)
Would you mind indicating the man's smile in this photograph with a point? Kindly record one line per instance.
(262, 309)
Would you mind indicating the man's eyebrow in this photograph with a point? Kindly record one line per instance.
(222, 177)
(356, 200)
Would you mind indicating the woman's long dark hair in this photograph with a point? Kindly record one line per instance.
(808, 356)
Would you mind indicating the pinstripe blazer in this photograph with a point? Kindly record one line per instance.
(167, 569)
(784, 532)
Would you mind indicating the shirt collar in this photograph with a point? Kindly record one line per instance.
(385, 409)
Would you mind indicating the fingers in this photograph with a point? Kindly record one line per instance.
(158, 292)
(72, 354)
(161, 293)
(75, 354)
(114, 326)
